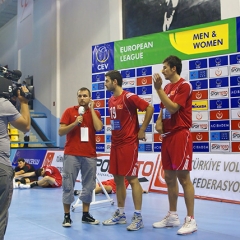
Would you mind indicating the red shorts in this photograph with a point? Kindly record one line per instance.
(177, 151)
(123, 160)
(58, 183)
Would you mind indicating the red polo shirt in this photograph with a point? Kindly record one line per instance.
(74, 146)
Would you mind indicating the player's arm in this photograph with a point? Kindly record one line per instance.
(146, 121)
(159, 124)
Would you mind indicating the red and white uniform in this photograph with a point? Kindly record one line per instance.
(177, 139)
(180, 93)
(53, 172)
(124, 118)
(125, 127)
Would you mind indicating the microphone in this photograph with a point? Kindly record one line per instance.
(17, 73)
(81, 111)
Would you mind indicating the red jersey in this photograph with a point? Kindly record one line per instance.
(53, 172)
(124, 117)
(74, 146)
(180, 93)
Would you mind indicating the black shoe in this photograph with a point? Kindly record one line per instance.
(67, 222)
(77, 192)
(87, 218)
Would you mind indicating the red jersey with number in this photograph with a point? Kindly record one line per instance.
(74, 146)
(180, 93)
(124, 117)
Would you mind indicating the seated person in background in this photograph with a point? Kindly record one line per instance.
(51, 178)
(109, 185)
(22, 168)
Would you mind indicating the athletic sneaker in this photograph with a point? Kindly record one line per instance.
(137, 222)
(189, 226)
(171, 220)
(77, 192)
(117, 218)
(24, 186)
(89, 219)
(15, 184)
(67, 222)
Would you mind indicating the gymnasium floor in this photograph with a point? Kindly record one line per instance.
(37, 214)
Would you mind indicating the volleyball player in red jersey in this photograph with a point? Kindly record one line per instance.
(173, 123)
(126, 134)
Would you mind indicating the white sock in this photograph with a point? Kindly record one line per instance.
(121, 210)
(173, 212)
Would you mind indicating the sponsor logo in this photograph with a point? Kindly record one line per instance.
(235, 69)
(220, 147)
(218, 93)
(198, 95)
(218, 72)
(236, 135)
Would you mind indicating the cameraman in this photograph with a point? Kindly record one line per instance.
(21, 121)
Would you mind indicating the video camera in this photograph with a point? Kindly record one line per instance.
(9, 84)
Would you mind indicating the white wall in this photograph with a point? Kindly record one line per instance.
(59, 56)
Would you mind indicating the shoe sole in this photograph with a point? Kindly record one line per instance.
(187, 233)
(135, 229)
(66, 225)
(114, 223)
(92, 223)
(170, 226)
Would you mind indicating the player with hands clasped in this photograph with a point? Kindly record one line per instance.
(173, 123)
(79, 124)
(123, 106)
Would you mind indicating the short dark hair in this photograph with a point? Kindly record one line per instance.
(174, 61)
(38, 172)
(85, 89)
(114, 74)
(21, 160)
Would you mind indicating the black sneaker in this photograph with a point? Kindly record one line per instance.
(77, 192)
(89, 219)
(67, 222)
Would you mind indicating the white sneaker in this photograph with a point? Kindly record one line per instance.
(15, 185)
(171, 220)
(24, 186)
(189, 226)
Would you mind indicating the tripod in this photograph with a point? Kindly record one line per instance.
(78, 202)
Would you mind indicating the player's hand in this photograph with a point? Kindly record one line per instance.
(157, 81)
(159, 126)
(142, 135)
(91, 104)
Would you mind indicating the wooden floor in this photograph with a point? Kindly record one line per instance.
(38, 214)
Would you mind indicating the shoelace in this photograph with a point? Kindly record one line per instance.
(187, 223)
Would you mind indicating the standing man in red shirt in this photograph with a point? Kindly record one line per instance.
(80, 153)
(126, 134)
(173, 123)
